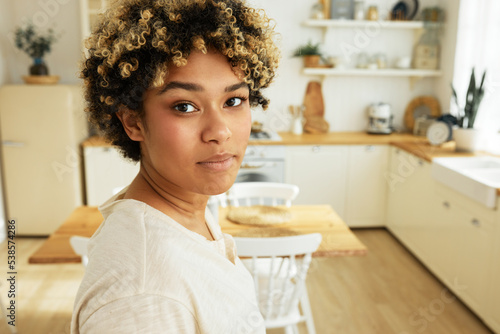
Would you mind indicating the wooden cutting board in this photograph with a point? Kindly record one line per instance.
(314, 109)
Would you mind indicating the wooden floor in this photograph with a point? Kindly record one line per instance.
(386, 291)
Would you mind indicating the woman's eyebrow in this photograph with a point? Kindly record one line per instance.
(234, 87)
(197, 88)
(182, 85)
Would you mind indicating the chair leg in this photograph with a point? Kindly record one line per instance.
(306, 309)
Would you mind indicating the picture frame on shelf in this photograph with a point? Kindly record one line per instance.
(342, 9)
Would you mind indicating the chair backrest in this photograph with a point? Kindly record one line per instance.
(261, 193)
(79, 245)
(279, 268)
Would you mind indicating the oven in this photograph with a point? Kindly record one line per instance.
(263, 163)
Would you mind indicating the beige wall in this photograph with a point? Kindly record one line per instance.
(61, 15)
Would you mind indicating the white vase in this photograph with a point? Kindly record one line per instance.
(467, 140)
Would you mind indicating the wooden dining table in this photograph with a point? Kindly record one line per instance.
(338, 239)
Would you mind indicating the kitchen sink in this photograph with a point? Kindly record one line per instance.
(475, 177)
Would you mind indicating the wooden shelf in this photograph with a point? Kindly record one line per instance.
(365, 23)
(390, 72)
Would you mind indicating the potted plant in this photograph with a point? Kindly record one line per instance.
(310, 53)
(36, 45)
(466, 137)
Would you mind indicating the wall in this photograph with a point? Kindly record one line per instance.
(5, 22)
(61, 15)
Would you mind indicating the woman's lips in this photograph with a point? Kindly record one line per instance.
(221, 162)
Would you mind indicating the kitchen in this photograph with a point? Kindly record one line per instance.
(344, 150)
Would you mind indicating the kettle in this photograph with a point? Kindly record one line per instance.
(380, 118)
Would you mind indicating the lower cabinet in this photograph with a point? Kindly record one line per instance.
(320, 172)
(493, 318)
(452, 235)
(350, 178)
(106, 172)
(366, 198)
(468, 241)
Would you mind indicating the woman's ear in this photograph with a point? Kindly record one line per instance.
(131, 123)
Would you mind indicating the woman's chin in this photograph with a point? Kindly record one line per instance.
(219, 186)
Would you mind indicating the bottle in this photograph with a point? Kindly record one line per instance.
(372, 13)
(359, 10)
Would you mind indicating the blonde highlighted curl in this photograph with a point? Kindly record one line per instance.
(136, 41)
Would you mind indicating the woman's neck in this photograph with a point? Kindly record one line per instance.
(186, 208)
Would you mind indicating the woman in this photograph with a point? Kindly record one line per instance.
(171, 84)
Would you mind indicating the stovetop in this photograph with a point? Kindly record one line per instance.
(265, 135)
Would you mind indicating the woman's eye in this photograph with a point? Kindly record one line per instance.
(234, 102)
(184, 107)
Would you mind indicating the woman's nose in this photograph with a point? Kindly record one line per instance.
(216, 127)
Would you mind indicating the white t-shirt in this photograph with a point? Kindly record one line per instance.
(149, 274)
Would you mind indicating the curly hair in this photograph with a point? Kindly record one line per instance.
(136, 41)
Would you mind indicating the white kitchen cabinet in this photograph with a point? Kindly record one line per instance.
(493, 306)
(451, 234)
(408, 179)
(468, 240)
(320, 172)
(366, 185)
(106, 172)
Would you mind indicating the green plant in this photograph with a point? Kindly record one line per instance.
(309, 49)
(473, 98)
(34, 43)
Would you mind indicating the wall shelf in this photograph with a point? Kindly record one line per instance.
(389, 72)
(365, 23)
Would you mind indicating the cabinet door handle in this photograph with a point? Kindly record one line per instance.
(10, 143)
(476, 222)
(316, 148)
(446, 204)
(420, 162)
(369, 148)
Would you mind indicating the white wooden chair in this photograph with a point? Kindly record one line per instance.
(260, 193)
(279, 268)
(79, 245)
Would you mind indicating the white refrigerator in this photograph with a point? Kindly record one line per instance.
(41, 128)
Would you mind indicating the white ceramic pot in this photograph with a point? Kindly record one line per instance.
(467, 140)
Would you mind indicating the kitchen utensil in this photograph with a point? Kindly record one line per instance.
(421, 106)
(422, 124)
(403, 62)
(314, 109)
(439, 132)
(404, 10)
(380, 118)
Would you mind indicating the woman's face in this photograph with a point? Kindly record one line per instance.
(196, 127)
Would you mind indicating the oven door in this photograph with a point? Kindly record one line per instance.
(261, 171)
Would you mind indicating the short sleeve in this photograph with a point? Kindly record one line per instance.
(141, 314)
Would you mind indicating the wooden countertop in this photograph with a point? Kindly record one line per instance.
(418, 146)
(338, 239)
(331, 138)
